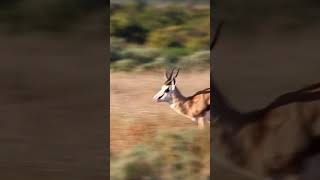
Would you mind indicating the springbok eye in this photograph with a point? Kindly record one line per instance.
(167, 90)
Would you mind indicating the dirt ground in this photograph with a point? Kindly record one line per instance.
(134, 116)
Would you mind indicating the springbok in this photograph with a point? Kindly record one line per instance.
(276, 141)
(195, 107)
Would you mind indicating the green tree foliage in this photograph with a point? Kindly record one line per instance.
(148, 37)
(160, 27)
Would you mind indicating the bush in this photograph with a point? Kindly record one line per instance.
(171, 155)
(124, 65)
(124, 24)
(134, 164)
(151, 37)
(199, 59)
(153, 18)
(198, 43)
(142, 55)
(158, 63)
(116, 45)
(149, 59)
(173, 54)
(172, 36)
(134, 21)
(161, 27)
(180, 37)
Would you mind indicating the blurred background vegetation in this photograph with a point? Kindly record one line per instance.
(147, 36)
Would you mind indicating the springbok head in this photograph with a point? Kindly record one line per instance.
(168, 87)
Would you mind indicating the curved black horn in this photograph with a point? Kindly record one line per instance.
(169, 74)
(216, 36)
(177, 72)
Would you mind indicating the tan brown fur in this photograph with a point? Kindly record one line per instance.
(193, 107)
(276, 141)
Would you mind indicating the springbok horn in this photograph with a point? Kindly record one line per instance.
(169, 75)
(216, 36)
(177, 73)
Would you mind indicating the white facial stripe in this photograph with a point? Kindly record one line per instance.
(162, 94)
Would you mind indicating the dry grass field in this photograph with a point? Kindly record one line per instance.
(134, 116)
(149, 140)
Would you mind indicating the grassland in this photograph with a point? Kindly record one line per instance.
(149, 140)
(133, 113)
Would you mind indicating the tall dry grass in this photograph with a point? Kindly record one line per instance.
(149, 140)
(133, 113)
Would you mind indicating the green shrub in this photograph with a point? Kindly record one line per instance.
(172, 36)
(116, 45)
(173, 54)
(148, 18)
(199, 59)
(142, 55)
(151, 37)
(153, 18)
(115, 55)
(180, 37)
(198, 43)
(124, 65)
(170, 155)
(158, 63)
(124, 24)
(149, 59)
(135, 164)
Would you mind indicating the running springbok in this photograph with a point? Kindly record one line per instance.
(195, 107)
(276, 141)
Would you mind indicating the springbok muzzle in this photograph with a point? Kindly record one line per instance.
(157, 97)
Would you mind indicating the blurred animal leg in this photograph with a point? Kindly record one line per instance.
(201, 123)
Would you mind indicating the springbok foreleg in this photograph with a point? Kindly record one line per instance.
(200, 122)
